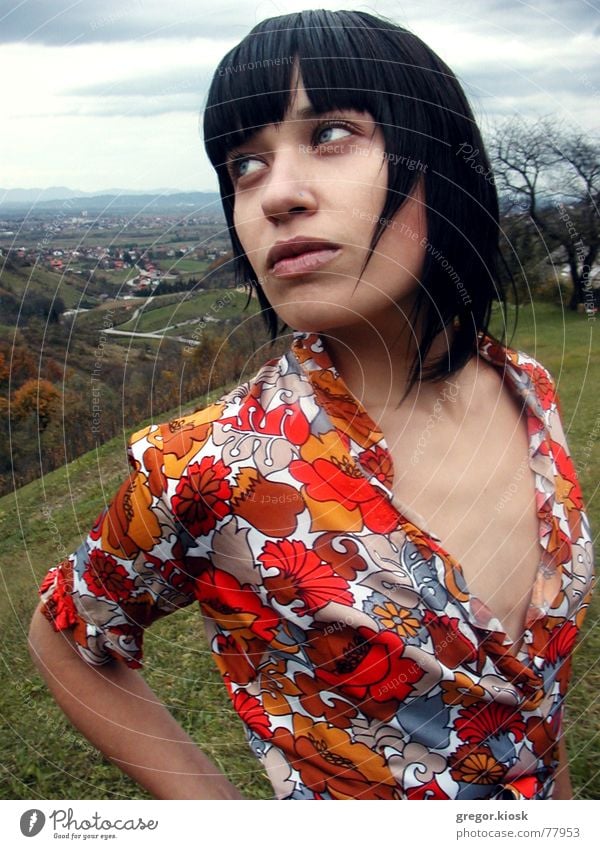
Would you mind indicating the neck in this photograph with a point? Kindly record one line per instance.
(375, 364)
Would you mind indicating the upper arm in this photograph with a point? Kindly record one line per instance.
(128, 572)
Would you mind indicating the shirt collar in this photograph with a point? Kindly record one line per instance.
(516, 367)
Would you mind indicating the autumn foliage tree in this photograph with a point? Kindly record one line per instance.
(39, 398)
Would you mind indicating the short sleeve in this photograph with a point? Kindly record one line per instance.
(129, 571)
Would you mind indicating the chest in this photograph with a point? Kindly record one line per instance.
(469, 483)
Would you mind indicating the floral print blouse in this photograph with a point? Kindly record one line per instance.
(350, 646)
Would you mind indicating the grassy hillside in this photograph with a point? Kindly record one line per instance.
(74, 289)
(41, 756)
(217, 303)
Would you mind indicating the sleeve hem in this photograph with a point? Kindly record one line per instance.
(57, 604)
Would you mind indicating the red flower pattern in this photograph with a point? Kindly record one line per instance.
(326, 480)
(476, 723)
(201, 498)
(302, 575)
(307, 618)
(250, 711)
(105, 577)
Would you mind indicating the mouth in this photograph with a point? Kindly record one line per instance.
(300, 255)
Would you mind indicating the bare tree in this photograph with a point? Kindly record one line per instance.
(551, 178)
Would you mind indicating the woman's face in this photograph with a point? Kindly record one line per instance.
(325, 178)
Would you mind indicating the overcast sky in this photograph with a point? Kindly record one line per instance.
(99, 94)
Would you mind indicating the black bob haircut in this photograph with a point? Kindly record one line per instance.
(352, 59)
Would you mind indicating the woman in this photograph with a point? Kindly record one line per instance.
(390, 582)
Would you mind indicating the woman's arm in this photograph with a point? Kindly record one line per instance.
(121, 715)
(562, 787)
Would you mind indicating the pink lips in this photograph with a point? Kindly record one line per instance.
(299, 255)
(302, 263)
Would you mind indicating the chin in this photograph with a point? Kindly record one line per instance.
(324, 323)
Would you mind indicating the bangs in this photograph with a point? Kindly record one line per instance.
(340, 63)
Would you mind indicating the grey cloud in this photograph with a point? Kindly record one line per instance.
(128, 107)
(544, 16)
(165, 84)
(145, 96)
(60, 23)
(582, 80)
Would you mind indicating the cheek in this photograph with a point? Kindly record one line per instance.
(368, 197)
(243, 231)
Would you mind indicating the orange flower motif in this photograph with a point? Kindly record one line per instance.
(377, 462)
(543, 385)
(476, 765)
(286, 420)
(181, 437)
(559, 651)
(561, 642)
(328, 761)
(236, 607)
(452, 648)
(129, 525)
(462, 690)
(343, 409)
(270, 506)
(398, 619)
(367, 667)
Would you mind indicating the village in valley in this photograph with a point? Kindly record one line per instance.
(136, 254)
(106, 318)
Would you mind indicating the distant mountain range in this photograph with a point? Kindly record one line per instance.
(109, 202)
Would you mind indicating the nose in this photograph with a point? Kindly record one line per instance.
(288, 189)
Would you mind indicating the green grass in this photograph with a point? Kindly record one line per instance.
(27, 281)
(117, 276)
(218, 303)
(41, 756)
(185, 265)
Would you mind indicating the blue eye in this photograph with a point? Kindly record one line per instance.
(328, 128)
(236, 164)
(240, 166)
